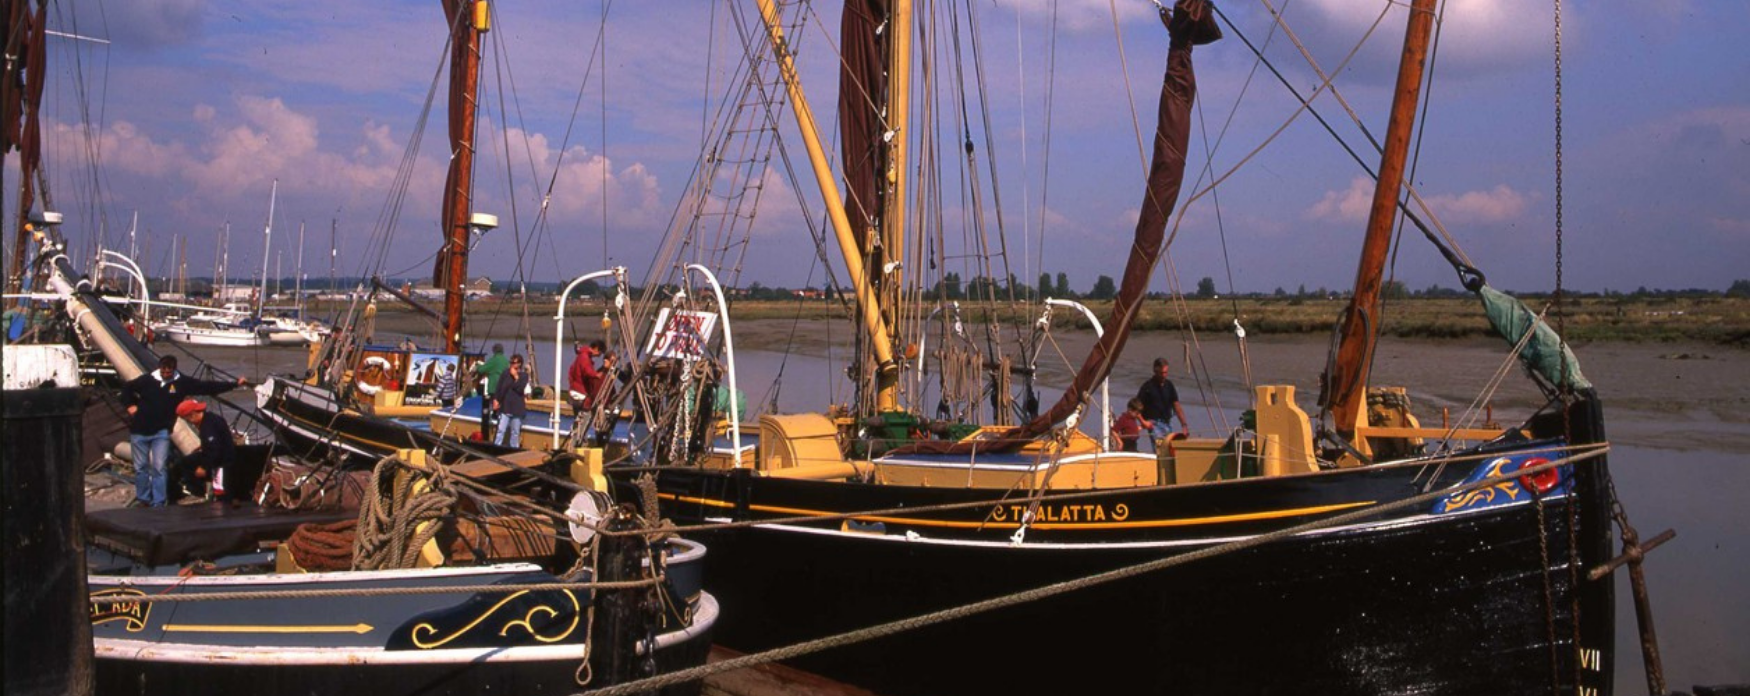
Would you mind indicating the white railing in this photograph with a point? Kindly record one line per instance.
(619, 273)
(1105, 384)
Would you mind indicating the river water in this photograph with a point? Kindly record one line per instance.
(1677, 417)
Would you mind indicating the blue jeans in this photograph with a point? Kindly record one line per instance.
(510, 430)
(1161, 430)
(151, 452)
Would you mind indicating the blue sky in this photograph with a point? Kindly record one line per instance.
(200, 105)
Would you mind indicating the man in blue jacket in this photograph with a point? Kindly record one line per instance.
(151, 400)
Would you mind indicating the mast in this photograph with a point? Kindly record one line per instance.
(1346, 389)
(267, 246)
(887, 371)
(224, 266)
(298, 282)
(898, 112)
(333, 250)
(467, 21)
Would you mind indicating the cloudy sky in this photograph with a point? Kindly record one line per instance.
(195, 107)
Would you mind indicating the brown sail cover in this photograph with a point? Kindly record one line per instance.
(19, 127)
(862, 97)
(458, 187)
(1165, 176)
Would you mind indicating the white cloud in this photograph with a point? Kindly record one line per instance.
(587, 180)
(1348, 205)
(1499, 204)
(1495, 205)
(1475, 35)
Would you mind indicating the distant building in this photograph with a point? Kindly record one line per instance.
(235, 293)
(474, 290)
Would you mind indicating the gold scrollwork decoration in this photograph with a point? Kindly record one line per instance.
(999, 514)
(1121, 512)
(426, 636)
(134, 614)
(1486, 495)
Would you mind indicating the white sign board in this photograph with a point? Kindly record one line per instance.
(681, 334)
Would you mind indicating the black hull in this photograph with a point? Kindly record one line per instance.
(536, 678)
(404, 642)
(1413, 603)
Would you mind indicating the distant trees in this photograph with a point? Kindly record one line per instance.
(1062, 290)
(1206, 287)
(1740, 288)
(981, 288)
(1104, 289)
(949, 287)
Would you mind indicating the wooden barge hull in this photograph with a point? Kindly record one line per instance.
(1416, 602)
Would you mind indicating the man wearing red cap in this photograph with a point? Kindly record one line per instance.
(151, 400)
(216, 452)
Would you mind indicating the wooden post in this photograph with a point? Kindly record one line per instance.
(622, 619)
(48, 621)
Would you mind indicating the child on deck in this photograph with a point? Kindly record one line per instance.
(1130, 426)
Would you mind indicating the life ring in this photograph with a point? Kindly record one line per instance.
(372, 375)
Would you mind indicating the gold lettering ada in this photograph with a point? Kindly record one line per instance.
(133, 614)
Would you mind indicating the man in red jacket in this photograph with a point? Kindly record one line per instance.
(585, 379)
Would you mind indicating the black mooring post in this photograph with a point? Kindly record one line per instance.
(623, 624)
(48, 620)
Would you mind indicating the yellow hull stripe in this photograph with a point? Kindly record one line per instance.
(219, 628)
(1127, 524)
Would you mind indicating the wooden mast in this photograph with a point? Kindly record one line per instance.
(898, 112)
(1346, 391)
(467, 21)
(887, 371)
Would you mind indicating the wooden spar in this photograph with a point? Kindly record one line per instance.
(1346, 390)
(887, 374)
(898, 113)
(452, 269)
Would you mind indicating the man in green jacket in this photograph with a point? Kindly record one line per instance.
(490, 371)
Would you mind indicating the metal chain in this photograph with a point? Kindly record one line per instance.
(1549, 596)
(1561, 331)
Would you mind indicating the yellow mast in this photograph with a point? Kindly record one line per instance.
(887, 371)
(898, 114)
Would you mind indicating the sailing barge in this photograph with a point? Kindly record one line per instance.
(1385, 558)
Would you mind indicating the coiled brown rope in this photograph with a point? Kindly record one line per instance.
(319, 547)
